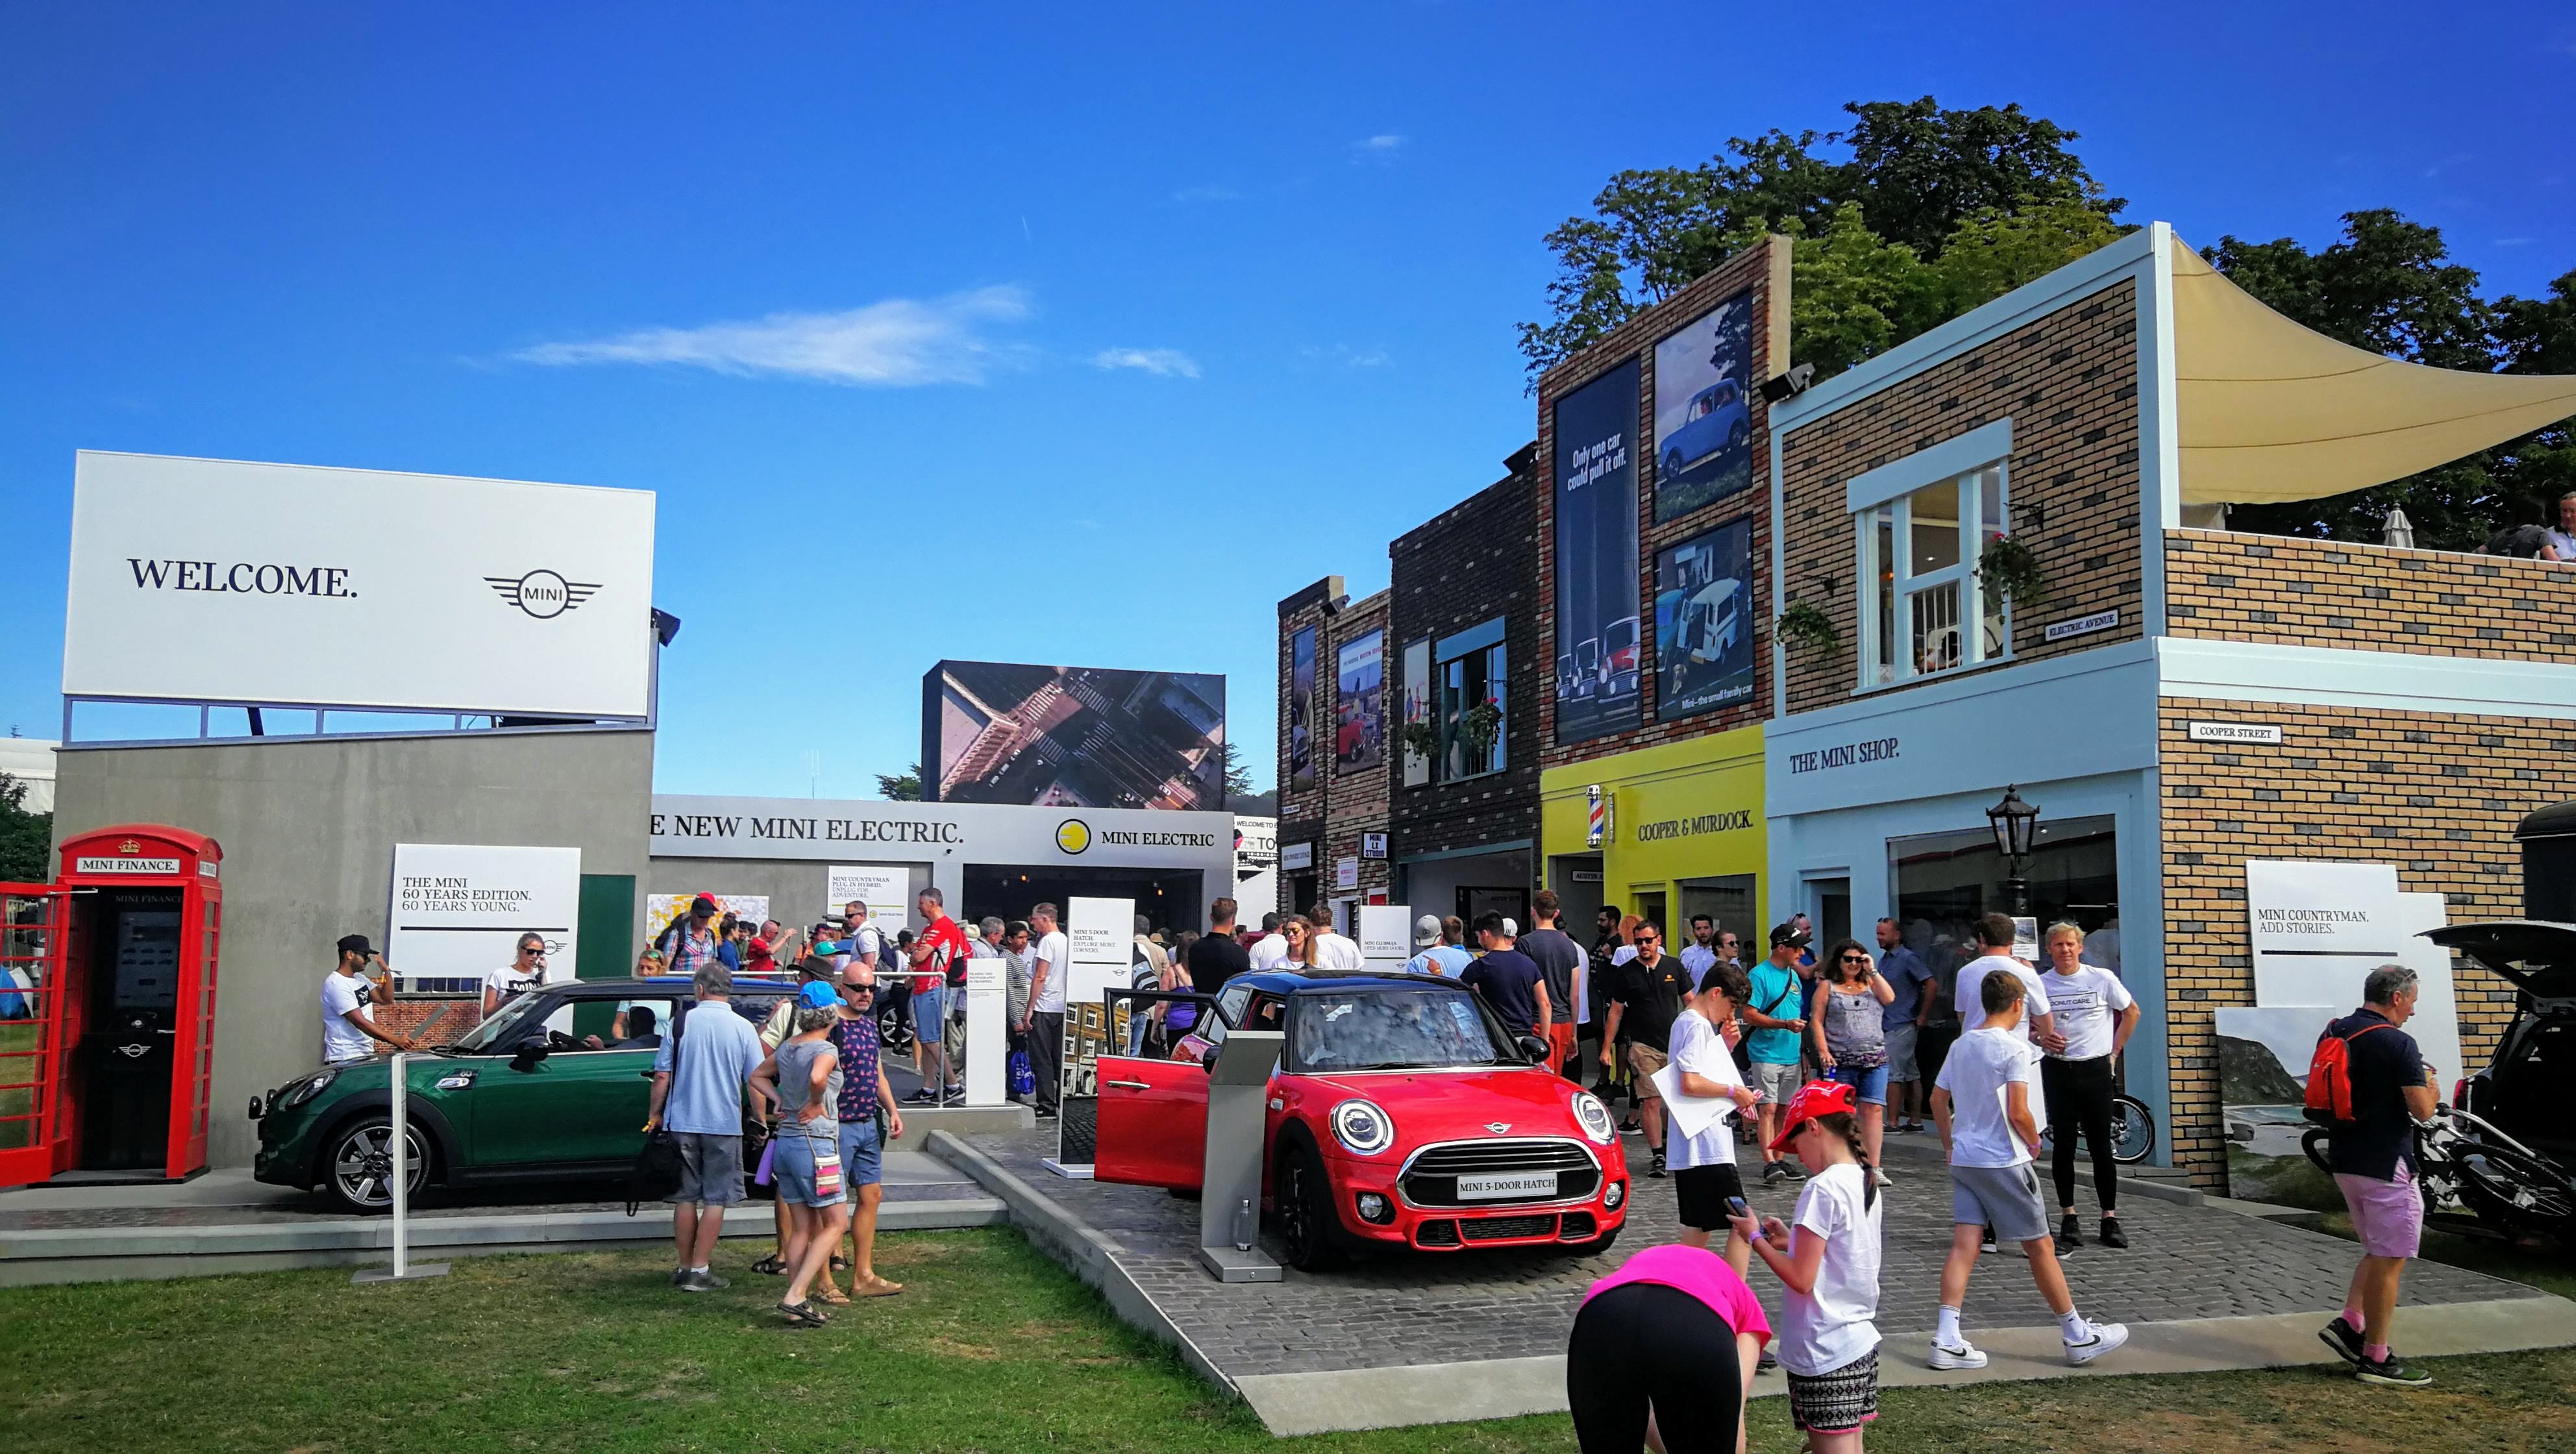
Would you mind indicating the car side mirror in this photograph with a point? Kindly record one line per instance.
(1532, 1049)
(529, 1054)
(1207, 1062)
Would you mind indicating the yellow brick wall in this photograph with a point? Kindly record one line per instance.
(2279, 589)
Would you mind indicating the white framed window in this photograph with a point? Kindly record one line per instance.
(1922, 612)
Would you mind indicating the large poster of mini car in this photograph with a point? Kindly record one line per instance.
(1704, 621)
(1704, 409)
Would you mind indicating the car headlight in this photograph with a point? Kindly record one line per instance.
(303, 1090)
(1362, 1128)
(1595, 1118)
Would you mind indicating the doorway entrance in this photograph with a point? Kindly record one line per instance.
(126, 1059)
(1168, 898)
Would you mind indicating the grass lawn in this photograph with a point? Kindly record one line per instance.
(993, 1348)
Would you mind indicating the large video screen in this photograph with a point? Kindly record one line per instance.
(1072, 736)
(1704, 409)
(1597, 647)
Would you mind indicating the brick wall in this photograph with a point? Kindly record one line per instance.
(1764, 269)
(2069, 383)
(1340, 806)
(2437, 795)
(2297, 592)
(1463, 567)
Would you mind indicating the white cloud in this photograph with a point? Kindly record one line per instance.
(1168, 362)
(1207, 194)
(1378, 148)
(1343, 353)
(899, 343)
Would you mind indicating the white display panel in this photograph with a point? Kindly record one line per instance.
(214, 580)
(459, 909)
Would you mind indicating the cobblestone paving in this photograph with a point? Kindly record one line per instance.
(1398, 1309)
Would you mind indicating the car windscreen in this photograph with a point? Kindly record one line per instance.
(1391, 1029)
(513, 1023)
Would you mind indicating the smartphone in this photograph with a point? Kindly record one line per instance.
(1738, 1207)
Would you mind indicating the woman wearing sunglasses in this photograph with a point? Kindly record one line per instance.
(1848, 1036)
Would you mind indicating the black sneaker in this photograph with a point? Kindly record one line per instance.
(2343, 1338)
(2070, 1234)
(1768, 1364)
(1045, 1113)
(1655, 1166)
(1772, 1171)
(2110, 1235)
(1986, 1240)
(2390, 1371)
(1792, 1170)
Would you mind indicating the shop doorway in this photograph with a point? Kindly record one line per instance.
(1829, 905)
(1171, 899)
(1729, 901)
(1475, 902)
(1303, 892)
(1576, 877)
(1648, 903)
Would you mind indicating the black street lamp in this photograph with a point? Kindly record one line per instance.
(2015, 823)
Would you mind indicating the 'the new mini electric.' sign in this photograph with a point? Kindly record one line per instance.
(214, 580)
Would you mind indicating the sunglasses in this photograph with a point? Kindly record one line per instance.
(863, 989)
(1855, 959)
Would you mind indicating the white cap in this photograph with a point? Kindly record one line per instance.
(1426, 931)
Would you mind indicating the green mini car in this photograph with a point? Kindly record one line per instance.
(545, 1090)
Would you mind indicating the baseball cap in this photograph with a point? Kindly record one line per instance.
(1789, 934)
(702, 905)
(355, 944)
(818, 996)
(1815, 1098)
(1426, 931)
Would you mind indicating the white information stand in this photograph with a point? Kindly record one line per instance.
(1386, 935)
(986, 985)
(1100, 937)
(1230, 1177)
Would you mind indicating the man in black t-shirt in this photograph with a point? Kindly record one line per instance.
(1216, 957)
(2373, 1156)
(1508, 979)
(1559, 959)
(1646, 996)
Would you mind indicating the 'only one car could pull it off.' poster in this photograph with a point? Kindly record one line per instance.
(1597, 646)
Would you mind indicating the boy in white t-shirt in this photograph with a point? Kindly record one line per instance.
(1982, 1105)
(1826, 1257)
(1703, 1166)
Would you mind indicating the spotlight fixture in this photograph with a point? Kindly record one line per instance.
(1795, 381)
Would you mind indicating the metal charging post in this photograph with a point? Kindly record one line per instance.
(1230, 1177)
(402, 1270)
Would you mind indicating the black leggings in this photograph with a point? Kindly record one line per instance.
(2079, 1098)
(1643, 1345)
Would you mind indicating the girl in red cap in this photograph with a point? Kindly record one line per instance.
(1827, 1263)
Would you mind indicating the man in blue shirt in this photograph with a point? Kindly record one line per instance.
(1904, 969)
(1441, 954)
(698, 1079)
(2373, 1156)
(1776, 1012)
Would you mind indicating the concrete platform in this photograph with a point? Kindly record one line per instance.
(224, 1222)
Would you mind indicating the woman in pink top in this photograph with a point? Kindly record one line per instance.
(1662, 1356)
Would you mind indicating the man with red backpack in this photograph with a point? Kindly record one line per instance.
(2368, 1085)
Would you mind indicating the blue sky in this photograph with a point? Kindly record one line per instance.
(1019, 332)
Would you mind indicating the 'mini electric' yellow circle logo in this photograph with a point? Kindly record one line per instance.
(1073, 835)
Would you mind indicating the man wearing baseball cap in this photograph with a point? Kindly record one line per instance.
(693, 941)
(1440, 954)
(348, 1031)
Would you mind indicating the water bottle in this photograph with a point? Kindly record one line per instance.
(1244, 1222)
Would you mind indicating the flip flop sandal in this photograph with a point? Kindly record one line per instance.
(840, 1264)
(805, 1314)
(770, 1266)
(831, 1296)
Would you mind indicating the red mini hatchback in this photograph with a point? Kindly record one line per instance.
(1401, 1115)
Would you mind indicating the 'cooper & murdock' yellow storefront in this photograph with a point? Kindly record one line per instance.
(1683, 834)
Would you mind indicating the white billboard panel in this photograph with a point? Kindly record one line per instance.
(212, 580)
(459, 909)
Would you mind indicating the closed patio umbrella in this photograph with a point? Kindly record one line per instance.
(2398, 530)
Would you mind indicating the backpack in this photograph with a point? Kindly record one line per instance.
(656, 1174)
(2329, 1099)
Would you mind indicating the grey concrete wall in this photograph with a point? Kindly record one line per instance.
(308, 831)
(795, 887)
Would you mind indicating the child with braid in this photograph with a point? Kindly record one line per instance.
(1828, 1264)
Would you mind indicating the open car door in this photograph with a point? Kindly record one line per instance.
(1152, 1123)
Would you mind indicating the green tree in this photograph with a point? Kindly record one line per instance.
(1915, 171)
(1238, 776)
(903, 789)
(26, 839)
(2389, 286)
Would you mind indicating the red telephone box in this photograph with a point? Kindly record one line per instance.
(107, 1007)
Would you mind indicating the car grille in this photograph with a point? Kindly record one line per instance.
(1431, 1178)
(1507, 1229)
(1436, 1234)
(1579, 1227)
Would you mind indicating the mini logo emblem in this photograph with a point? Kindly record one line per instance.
(1073, 835)
(1498, 1127)
(541, 593)
(130, 845)
(133, 1052)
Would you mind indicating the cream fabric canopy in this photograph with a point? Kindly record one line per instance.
(2272, 411)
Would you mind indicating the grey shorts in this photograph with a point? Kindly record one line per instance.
(2005, 1198)
(1900, 1053)
(1777, 1082)
(710, 1170)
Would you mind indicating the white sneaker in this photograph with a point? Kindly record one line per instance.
(1964, 1355)
(2103, 1337)
(1878, 1176)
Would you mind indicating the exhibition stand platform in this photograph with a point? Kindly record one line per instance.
(1433, 1338)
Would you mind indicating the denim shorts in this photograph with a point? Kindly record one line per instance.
(862, 1152)
(927, 1007)
(792, 1167)
(1870, 1085)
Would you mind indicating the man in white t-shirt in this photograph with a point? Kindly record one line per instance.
(1982, 1105)
(1703, 1060)
(1270, 950)
(1335, 952)
(2095, 1015)
(1044, 1023)
(349, 1033)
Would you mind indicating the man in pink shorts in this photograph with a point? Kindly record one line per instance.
(2373, 1156)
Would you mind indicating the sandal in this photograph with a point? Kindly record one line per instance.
(805, 1314)
(825, 1292)
(840, 1264)
(770, 1266)
(877, 1287)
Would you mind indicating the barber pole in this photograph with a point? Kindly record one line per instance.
(1597, 825)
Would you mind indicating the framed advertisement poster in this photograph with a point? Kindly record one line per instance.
(1704, 620)
(1417, 707)
(1359, 704)
(1704, 409)
(1301, 707)
(1597, 643)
